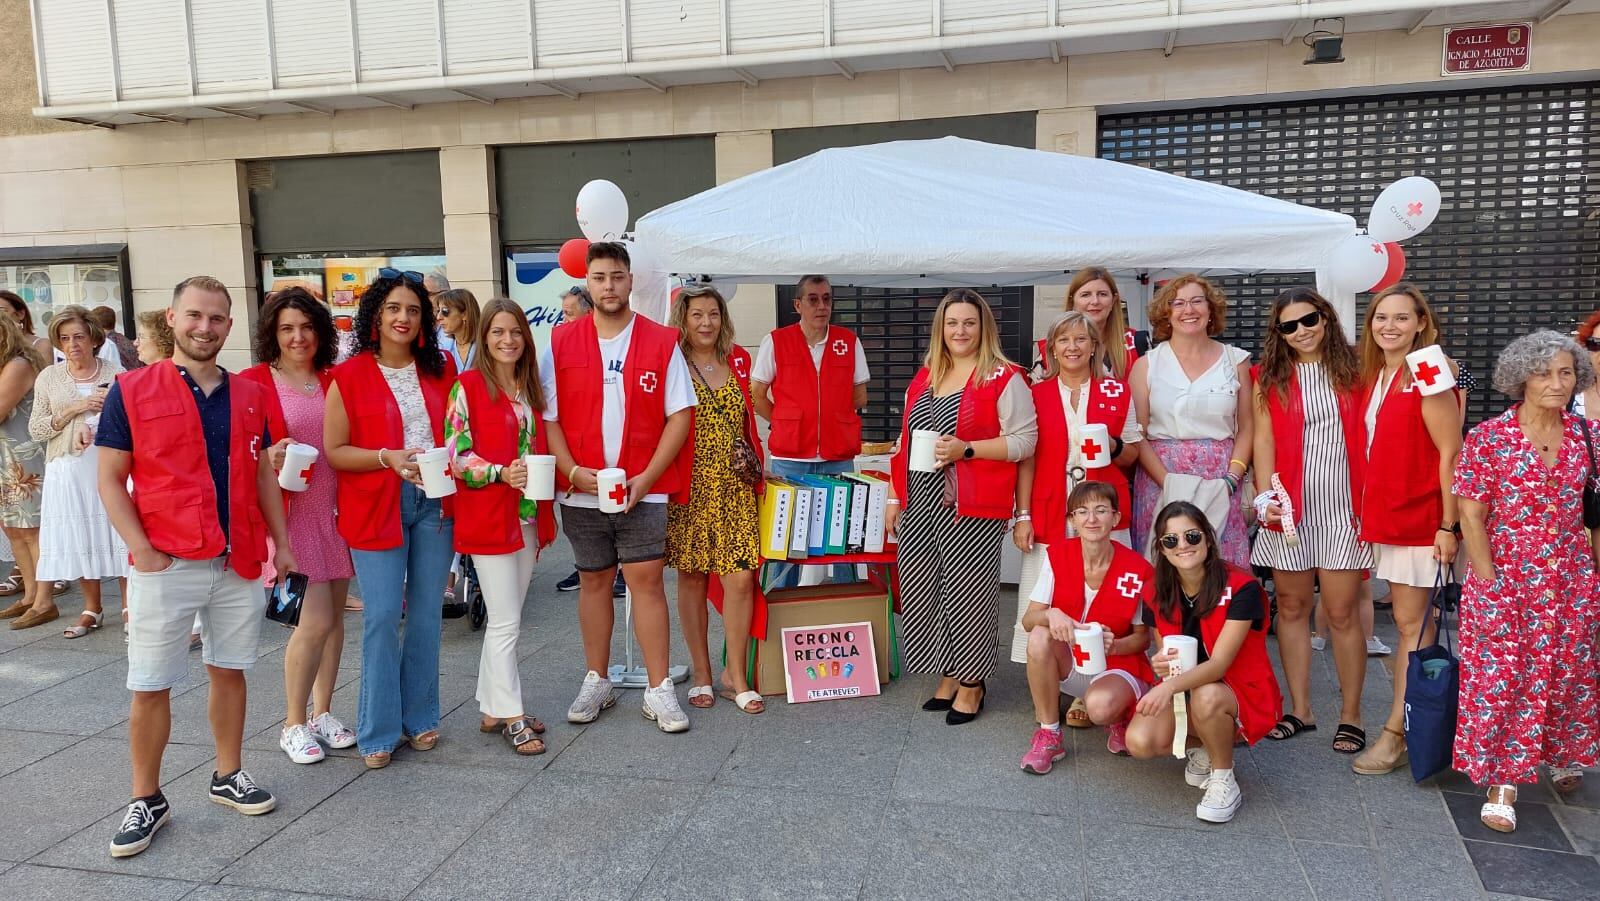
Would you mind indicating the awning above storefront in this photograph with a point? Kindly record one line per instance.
(952, 212)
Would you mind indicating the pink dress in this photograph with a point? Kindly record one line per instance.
(318, 549)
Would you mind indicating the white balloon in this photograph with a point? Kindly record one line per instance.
(1403, 209)
(602, 211)
(1358, 263)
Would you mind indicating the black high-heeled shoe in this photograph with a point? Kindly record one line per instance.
(935, 704)
(954, 717)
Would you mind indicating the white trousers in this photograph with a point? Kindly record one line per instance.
(504, 578)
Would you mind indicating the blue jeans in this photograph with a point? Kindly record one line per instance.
(400, 673)
(785, 469)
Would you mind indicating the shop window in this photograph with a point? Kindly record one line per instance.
(49, 278)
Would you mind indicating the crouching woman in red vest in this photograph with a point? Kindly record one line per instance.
(387, 403)
(979, 405)
(1083, 580)
(493, 423)
(1232, 694)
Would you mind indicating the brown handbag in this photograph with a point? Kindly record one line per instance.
(746, 465)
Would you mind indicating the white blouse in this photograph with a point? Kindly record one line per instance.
(407, 393)
(1206, 408)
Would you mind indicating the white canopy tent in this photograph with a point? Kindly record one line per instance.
(954, 212)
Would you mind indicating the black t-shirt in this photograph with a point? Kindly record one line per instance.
(1246, 604)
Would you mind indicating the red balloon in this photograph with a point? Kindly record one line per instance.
(574, 257)
(1397, 267)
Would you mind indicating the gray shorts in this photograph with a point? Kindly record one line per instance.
(603, 540)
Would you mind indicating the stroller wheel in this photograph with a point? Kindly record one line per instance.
(480, 610)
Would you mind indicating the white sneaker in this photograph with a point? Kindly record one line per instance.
(1376, 648)
(593, 697)
(1198, 769)
(1221, 802)
(661, 705)
(300, 744)
(1318, 642)
(331, 732)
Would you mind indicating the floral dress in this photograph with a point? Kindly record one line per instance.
(1528, 691)
(21, 469)
(717, 531)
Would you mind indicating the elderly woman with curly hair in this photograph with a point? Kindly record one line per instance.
(1587, 403)
(1528, 609)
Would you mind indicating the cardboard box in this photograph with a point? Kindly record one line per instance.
(818, 605)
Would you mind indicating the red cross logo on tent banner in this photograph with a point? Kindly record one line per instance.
(1130, 585)
(1091, 448)
(1079, 655)
(647, 381)
(1427, 373)
(618, 494)
(840, 348)
(1414, 208)
(1110, 388)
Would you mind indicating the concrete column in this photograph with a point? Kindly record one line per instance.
(753, 307)
(474, 258)
(1071, 130)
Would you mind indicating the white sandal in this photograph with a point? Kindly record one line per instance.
(79, 630)
(702, 691)
(1503, 813)
(744, 699)
(1566, 779)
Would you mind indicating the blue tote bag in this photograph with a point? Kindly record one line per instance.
(1432, 689)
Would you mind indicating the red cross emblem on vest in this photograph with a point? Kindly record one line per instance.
(1091, 448)
(1111, 388)
(1427, 373)
(255, 447)
(647, 381)
(1130, 585)
(739, 366)
(840, 348)
(618, 494)
(1128, 341)
(1079, 655)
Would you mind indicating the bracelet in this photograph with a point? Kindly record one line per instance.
(1024, 516)
(381, 463)
(1242, 465)
(1116, 448)
(573, 471)
(892, 500)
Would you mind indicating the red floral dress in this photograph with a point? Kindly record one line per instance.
(1528, 687)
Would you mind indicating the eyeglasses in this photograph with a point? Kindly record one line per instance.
(411, 276)
(1592, 344)
(1192, 536)
(1101, 510)
(1290, 326)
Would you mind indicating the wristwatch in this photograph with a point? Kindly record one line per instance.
(969, 452)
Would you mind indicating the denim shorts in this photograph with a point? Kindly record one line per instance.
(603, 540)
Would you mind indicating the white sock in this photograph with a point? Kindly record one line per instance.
(1053, 727)
(1225, 775)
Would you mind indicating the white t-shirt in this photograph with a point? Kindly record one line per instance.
(1078, 417)
(613, 354)
(765, 369)
(1044, 592)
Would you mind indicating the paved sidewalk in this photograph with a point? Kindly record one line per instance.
(852, 799)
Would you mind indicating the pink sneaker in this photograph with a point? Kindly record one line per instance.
(1045, 752)
(1117, 739)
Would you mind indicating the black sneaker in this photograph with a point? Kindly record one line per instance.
(570, 583)
(139, 825)
(239, 791)
(619, 588)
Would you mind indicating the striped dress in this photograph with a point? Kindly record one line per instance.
(1326, 524)
(949, 568)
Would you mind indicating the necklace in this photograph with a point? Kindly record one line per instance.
(306, 387)
(88, 378)
(1543, 441)
(706, 367)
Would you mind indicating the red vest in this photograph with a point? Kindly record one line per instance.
(580, 397)
(984, 488)
(813, 412)
(1109, 402)
(1403, 503)
(1288, 441)
(172, 488)
(739, 364)
(1250, 676)
(277, 426)
(369, 502)
(488, 519)
(1127, 587)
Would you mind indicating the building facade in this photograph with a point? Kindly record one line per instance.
(142, 141)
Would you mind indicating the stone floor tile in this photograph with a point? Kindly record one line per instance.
(28, 881)
(1536, 873)
(36, 667)
(845, 747)
(1422, 867)
(87, 704)
(623, 743)
(1002, 853)
(1536, 825)
(1340, 872)
(19, 748)
(1127, 863)
(1582, 826)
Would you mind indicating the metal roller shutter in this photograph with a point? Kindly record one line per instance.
(1516, 247)
(894, 325)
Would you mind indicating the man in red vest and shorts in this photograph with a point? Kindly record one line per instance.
(808, 381)
(618, 395)
(204, 499)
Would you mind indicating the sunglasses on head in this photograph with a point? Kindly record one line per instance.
(1192, 536)
(1290, 326)
(411, 276)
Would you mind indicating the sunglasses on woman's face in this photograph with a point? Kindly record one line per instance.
(1290, 326)
(1192, 536)
(1592, 344)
